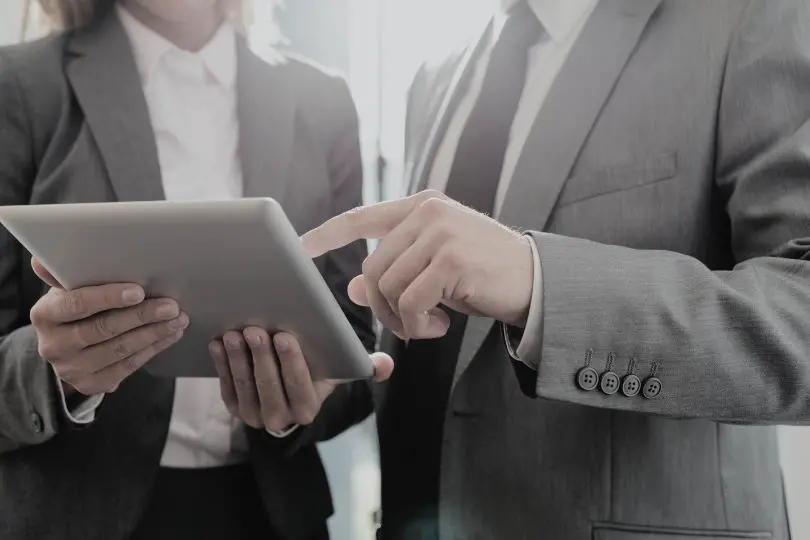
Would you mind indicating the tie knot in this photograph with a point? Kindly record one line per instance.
(522, 28)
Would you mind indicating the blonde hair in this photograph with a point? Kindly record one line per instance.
(70, 15)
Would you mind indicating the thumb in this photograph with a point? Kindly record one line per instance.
(357, 291)
(383, 366)
(44, 275)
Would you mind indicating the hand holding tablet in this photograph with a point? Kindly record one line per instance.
(194, 271)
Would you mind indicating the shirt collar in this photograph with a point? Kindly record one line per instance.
(149, 47)
(558, 17)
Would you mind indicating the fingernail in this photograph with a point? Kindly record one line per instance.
(168, 310)
(232, 343)
(282, 344)
(132, 295)
(253, 339)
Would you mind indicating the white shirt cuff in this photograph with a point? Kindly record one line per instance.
(282, 434)
(532, 338)
(85, 413)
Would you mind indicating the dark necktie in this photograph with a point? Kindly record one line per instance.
(412, 418)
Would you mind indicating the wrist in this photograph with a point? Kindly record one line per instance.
(524, 282)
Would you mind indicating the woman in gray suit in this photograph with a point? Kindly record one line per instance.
(139, 100)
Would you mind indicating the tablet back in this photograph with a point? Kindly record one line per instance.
(229, 264)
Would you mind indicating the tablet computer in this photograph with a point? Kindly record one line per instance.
(229, 265)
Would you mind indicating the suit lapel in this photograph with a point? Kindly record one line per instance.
(443, 113)
(569, 112)
(108, 88)
(267, 110)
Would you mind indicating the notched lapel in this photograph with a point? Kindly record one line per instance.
(443, 113)
(267, 111)
(105, 80)
(561, 128)
(571, 109)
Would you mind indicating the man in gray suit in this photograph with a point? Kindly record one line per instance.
(658, 154)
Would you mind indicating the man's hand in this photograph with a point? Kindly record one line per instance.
(433, 251)
(95, 337)
(267, 383)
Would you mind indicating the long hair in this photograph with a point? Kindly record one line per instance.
(70, 15)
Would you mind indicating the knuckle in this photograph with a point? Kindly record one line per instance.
(265, 385)
(389, 288)
(434, 208)
(101, 326)
(143, 315)
(407, 303)
(429, 194)
(73, 303)
(242, 384)
(47, 349)
(122, 349)
(370, 268)
(37, 315)
(450, 259)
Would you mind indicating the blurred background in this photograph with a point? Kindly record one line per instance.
(378, 45)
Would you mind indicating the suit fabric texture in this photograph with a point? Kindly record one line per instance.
(666, 184)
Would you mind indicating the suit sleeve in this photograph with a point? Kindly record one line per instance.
(731, 346)
(30, 407)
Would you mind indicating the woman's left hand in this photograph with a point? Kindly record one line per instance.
(267, 384)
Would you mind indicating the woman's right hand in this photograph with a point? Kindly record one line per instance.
(96, 337)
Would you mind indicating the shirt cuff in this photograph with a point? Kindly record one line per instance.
(281, 434)
(85, 412)
(519, 341)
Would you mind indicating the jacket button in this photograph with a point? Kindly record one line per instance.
(631, 385)
(587, 379)
(610, 383)
(651, 388)
(36, 423)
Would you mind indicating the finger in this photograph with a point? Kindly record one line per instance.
(108, 379)
(120, 349)
(382, 310)
(365, 222)
(111, 324)
(298, 384)
(275, 411)
(391, 249)
(357, 294)
(244, 383)
(357, 291)
(226, 386)
(423, 295)
(383, 366)
(43, 274)
(60, 307)
(400, 274)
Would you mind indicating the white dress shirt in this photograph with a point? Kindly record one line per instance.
(191, 98)
(563, 22)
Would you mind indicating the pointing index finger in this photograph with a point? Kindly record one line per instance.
(374, 221)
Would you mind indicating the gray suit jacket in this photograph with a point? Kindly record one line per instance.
(669, 169)
(74, 127)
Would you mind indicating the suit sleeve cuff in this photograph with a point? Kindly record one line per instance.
(282, 434)
(83, 413)
(519, 341)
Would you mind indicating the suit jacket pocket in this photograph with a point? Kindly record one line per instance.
(589, 184)
(615, 531)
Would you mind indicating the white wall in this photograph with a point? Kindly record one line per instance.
(10, 20)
